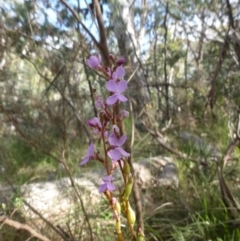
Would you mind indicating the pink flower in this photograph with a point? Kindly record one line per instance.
(90, 154)
(94, 62)
(124, 114)
(117, 89)
(116, 153)
(95, 122)
(118, 73)
(107, 184)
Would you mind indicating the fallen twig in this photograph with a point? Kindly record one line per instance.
(17, 225)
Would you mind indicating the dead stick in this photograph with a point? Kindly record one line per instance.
(18, 226)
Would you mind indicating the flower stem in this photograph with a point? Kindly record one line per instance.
(105, 152)
(120, 237)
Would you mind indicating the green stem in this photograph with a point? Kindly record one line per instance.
(119, 233)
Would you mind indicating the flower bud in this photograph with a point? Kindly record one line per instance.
(111, 56)
(118, 226)
(123, 205)
(118, 208)
(126, 168)
(121, 60)
(115, 128)
(131, 216)
(94, 62)
(128, 188)
(140, 238)
(124, 114)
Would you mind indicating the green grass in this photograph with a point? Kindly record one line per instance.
(197, 211)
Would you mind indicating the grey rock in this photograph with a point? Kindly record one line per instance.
(56, 200)
(201, 144)
(156, 171)
(169, 176)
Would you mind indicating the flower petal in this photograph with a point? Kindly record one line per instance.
(95, 122)
(111, 187)
(121, 98)
(107, 178)
(105, 134)
(114, 154)
(109, 71)
(113, 140)
(111, 100)
(123, 152)
(111, 85)
(93, 62)
(85, 160)
(119, 72)
(122, 86)
(99, 103)
(124, 114)
(102, 187)
(90, 149)
(122, 140)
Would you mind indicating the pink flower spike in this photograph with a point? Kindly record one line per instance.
(90, 154)
(94, 62)
(107, 184)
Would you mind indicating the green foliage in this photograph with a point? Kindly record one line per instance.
(22, 160)
(196, 211)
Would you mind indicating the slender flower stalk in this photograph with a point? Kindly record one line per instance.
(107, 125)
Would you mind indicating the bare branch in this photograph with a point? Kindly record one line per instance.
(230, 14)
(80, 22)
(18, 226)
(211, 93)
(233, 144)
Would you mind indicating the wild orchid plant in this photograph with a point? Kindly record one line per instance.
(108, 126)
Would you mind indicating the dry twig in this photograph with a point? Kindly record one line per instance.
(18, 226)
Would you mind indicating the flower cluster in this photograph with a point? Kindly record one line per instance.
(108, 126)
(116, 85)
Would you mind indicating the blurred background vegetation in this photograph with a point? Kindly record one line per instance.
(183, 61)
